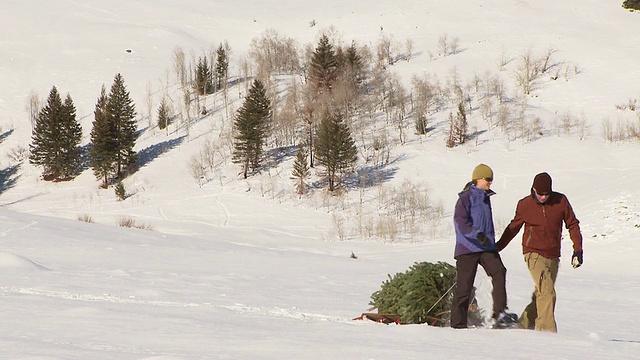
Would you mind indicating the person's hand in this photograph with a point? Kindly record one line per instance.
(484, 240)
(576, 259)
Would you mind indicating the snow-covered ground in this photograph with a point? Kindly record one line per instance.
(238, 269)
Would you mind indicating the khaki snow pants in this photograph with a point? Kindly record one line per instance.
(539, 314)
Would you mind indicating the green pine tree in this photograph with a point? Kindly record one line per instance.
(55, 138)
(301, 171)
(103, 146)
(68, 157)
(222, 67)
(335, 148)
(354, 66)
(251, 128)
(461, 125)
(164, 116)
(121, 192)
(204, 78)
(121, 111)
(44, 132)
(324, 65)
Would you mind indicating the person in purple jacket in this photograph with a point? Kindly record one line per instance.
(476, 245)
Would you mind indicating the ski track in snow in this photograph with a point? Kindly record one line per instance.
(7, 231)
(93, 297)
(100, 10)
(292, 313)
(224, 209)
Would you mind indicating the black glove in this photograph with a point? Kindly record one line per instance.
(484, 240)
(576, 259)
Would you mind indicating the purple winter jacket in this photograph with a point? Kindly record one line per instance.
(473, 215)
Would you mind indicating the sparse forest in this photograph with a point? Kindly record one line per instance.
(341, 106)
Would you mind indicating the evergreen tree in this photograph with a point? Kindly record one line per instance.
(68, 159)
(55, 138)
(121, 111)
(301, 170)
(324, 65)
(164, 116)
(222, 67)
(341, 58)
(354, 66)
(461, 125)
(204, 79)
(120, 191)
(44, 132)
(250, 127)
(103, 148)
(335, 148)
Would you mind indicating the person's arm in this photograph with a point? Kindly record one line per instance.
(512, 229)
(464, 222)
(573, 225)
(461, 215)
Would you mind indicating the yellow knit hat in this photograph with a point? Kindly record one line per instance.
(482, 171)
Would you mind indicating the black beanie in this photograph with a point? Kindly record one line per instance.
(542, 183)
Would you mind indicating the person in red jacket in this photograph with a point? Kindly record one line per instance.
(542, 214)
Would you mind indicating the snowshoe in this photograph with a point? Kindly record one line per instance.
(505, 320)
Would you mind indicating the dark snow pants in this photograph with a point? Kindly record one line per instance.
(467, 266)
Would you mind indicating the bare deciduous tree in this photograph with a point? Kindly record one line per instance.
(425, 101)
(384, 50)
(454, 45)
(528, 72)
(32, 106)
(504, 118)
(287, 115)
(451, 137)
(443, 45)
(486, 110)
(409, 49)
(546, 60)
(148, 100)
(273, 53)
(503, 60)
(179, 66)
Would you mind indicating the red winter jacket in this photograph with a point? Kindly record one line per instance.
(543, 225)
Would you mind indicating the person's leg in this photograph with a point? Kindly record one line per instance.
(528, 317)
(493, 266)
(544, 272)
(466, 266)
(546, 303)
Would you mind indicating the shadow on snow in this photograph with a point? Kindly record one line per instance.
(148, 154)
(8, 177)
